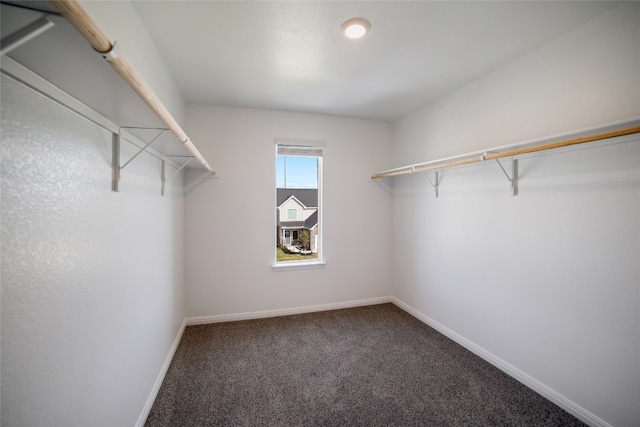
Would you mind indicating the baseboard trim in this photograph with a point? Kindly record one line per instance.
(555, 397)
(285, 312)
(163, 371)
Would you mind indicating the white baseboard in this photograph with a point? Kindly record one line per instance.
(555, 397)
(163, 371)
(285, 311)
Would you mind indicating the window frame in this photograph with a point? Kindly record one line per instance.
(319, 262)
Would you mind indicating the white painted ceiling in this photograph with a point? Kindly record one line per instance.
(291, 55)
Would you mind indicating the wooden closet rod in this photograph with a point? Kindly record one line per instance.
(514, 152)
(79, 18)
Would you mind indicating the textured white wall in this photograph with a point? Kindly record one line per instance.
(92, 281)
(547, 281)
(230, 220)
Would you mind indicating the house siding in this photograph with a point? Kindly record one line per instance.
(291, 204)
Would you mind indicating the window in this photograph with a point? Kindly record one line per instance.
(298, 203)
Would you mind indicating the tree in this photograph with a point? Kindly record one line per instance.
(304, 239)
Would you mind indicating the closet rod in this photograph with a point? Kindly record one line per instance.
(79, 18)
(407, 170)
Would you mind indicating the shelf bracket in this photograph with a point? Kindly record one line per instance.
(115, 162)
(434, 183)
(155, 138)
(115, 154)
(163, 177)
(513, 179)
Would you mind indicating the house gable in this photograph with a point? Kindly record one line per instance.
(308, 197)
(303, 200)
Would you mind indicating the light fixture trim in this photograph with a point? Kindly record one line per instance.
(355, 28)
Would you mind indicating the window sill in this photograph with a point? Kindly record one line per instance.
(305, 265)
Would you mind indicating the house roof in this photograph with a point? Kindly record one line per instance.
(311, 221)
(292, 224)
(307, 196)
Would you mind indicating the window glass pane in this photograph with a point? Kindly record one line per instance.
(298, 180)
(297, 172)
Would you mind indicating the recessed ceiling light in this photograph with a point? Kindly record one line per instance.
(355, 28)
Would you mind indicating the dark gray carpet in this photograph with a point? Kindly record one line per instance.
(366, 366)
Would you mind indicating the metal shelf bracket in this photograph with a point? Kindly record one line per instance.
(513, 179)
(115, 154)
(433, 183)
(163, 177)
(155, 138)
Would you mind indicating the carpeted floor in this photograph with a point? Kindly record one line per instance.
(366, 366)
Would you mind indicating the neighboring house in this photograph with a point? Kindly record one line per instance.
(297, 210)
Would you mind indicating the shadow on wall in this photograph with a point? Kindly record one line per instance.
(194, 180)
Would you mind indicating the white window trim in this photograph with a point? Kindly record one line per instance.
(320, 261)
(295, 265)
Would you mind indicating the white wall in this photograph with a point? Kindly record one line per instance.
(120, 22)
(230, 220)
(547, 281)
(92, 281)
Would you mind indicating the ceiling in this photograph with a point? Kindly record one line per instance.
(290, 55)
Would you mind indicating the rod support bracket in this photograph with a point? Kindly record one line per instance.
(163, 177)
(163, 180)
(143, 149)
(111, 54)
(435, 183)
(513, 178)
(117, 166)
(115, 162)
